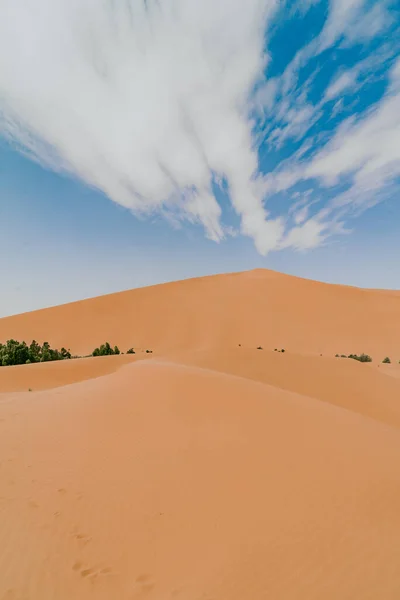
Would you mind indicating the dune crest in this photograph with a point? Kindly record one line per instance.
(211, 470)
(252, 308)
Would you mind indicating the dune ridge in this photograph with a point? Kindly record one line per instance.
(206, 470)
(253, 308)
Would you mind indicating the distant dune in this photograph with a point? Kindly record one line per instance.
(252, 308)
(207, 470)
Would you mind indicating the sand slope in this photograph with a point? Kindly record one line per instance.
(162, 481)
(44, 376)
(209, 471)
(347, 383)
(253, 308)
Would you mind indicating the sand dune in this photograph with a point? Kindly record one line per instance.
(361, 388)
(44, 376)
(162, 481)
(253, 308)
(211, 471)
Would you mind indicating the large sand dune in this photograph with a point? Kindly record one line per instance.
(253, 308)
(208, 471)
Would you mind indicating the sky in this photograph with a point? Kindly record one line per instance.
(144, 141)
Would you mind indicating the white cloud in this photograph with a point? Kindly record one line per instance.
(369, 24)
(369, 148)
(343, 14)
(345, 81)
(265, 96)
(145, 101)
(349, 21)
(363, 153)
(307, 235)
(301, 215)
(337, 108)
(151, 102)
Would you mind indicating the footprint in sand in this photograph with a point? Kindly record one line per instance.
(82, 538)
(90, 572)
(144, 584)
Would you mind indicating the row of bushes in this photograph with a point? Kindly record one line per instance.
(19, 353)
(363, 358)
(107, 350)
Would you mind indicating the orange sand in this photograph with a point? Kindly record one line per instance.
(255, 308)
(208, 471)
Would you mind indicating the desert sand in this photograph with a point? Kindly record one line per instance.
(207, 470)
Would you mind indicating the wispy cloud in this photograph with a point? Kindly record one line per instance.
(153, 101)
(144, 100)
(344, 82)
(364, 153)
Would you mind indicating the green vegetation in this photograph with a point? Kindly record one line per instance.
(362, 358)
(386, 360)
(19, 353)
(105, 350)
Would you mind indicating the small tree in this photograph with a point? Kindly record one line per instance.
(106, 350)
(131, 351)
(364, 358)
(34, 351)
(386, 360)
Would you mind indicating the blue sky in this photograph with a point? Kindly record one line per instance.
(142, 145)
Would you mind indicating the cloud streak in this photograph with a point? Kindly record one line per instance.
(146, 101)
(153, 102)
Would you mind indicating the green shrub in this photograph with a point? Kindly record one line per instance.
(386, 360)
(364, 358)
(130, 351)
(19, 353)
(104, 350)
